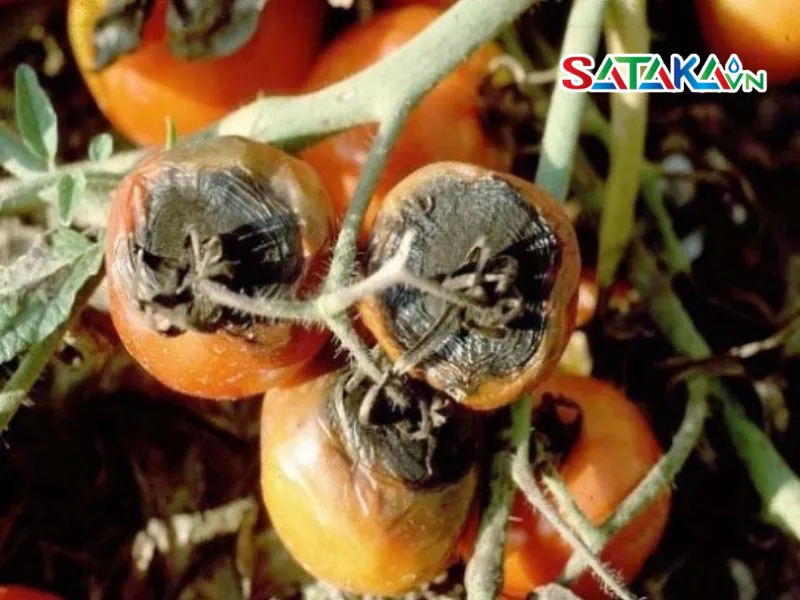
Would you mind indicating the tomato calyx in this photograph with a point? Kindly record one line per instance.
(414, 434)
(556, 423)
(496, 258)
(195, 29)
(119, 30)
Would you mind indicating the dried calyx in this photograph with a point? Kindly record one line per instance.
(557, 423)
(480, 240)
(196, 29)
(425, 441)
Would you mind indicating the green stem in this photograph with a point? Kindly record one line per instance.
(342, 268)
(775, 482)
(675, 256)
(484, 572)
(564, 116)
(772, 478)
(626, 32)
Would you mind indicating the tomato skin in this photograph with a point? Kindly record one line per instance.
(140, 90)
(588, 292)
(344, 518)
(218, 364)
(765, 35)
(445, 126)
(18, 592)
(501, 384)
(614, 451)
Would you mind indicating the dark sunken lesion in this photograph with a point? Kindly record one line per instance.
(250, 235)
(449, 215)
(443, 456)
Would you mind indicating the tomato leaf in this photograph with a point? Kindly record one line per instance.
(38, 289)
(16, 157)
(101, 147)
(70, 187)
(36, 118)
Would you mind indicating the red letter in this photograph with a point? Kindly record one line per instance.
(577, 71)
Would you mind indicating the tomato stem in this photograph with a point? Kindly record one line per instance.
(627, 31)
(483, 571)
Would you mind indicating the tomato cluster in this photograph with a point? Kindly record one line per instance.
(370, 481)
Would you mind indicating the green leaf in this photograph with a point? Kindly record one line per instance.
(172, 133)
(37, 290)
(101, 147)
(71, 188)
(16, 157)
(36, 119)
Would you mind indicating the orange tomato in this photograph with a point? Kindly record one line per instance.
(528, 238)
(614, 450)
(445, 126)
(18, 592)
(588, 292)
(141, 89)
(359, 506)
(267, 209)
(765, 35)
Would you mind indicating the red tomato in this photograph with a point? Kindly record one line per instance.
(278, 218)
(17, 592)
(139, 90)
(445, 126)
(765, 35)
(615, 449)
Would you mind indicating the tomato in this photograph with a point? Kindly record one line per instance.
(765, 35)
(507, 250)
(614, 450)
(367, 508)
(139, 90)
(213, 211)
(446, 125)
(588, 292)
(18, 592)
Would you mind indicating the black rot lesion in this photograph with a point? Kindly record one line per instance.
(195, 29)
(218, 224)
(483, 241)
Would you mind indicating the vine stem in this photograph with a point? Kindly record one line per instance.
(564, 116)
(484, 572)
(370, 96)
(627, 32)
(342, 269)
